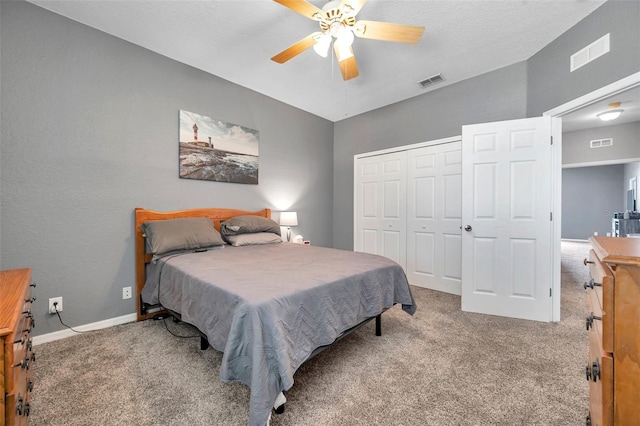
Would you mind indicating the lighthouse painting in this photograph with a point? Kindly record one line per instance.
(216, 150)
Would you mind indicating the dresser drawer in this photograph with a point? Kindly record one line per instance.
(599, 372)
(603, 289)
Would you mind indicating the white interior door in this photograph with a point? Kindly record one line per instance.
(506, 216)
(380, 216)
(434, 207)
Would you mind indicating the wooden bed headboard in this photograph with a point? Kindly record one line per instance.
(142, 258)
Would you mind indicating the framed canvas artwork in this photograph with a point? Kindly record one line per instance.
(216, 150)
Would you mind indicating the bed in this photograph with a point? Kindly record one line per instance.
(269, 306)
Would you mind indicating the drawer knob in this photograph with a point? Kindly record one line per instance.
(20, 340)
(33, 284)
(27, 409)
(587, 262)
(591, 284)
(588, 372)
(24, 363)
(30, 385)
(595, 371)
(19, 406)
(588, 420)
(590, 319)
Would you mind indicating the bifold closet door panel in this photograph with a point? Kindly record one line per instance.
(434, 211)
(380, 214)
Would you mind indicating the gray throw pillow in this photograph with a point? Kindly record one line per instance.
(164, 236)
(248, 225)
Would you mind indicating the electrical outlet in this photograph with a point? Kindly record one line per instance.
(126, 292)
(58, 301)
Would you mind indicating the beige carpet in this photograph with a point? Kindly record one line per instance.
(439, 367)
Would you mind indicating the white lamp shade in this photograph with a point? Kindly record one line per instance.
(322, 45)
(288, 218)
(344, 36)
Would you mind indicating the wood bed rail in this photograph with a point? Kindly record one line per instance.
(142, 258)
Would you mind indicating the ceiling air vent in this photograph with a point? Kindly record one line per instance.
(431, 80)
(601, 143)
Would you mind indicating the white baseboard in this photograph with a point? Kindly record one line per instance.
(574, 240)
(62, 334)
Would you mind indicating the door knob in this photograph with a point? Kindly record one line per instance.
(467, 228)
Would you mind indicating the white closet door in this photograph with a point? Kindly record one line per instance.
(434, 211)
(380, 216)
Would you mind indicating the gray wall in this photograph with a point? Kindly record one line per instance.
(89, 132)
(550, 82)
(521, 90)
(626, 144)
(590, 196)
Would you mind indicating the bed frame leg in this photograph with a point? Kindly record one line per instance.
(204, 344)
(379, 325)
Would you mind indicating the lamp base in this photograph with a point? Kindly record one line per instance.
(288, 234)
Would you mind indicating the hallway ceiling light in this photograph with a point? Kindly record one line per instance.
(612, 113)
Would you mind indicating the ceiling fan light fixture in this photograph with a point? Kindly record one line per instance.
(610, 115)
(337, 21)
(344, 36)
(322, 45)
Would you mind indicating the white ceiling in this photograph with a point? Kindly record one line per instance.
(235, 39)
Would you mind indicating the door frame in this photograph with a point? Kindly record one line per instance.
(604, 92)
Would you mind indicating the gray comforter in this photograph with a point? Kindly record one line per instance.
(267, 307)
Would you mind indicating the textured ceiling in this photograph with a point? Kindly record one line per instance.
(235, 39)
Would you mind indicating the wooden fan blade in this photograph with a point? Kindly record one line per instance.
(303, 8)
(296, 48)
(388, 32)
(348, 65)
(351, 7)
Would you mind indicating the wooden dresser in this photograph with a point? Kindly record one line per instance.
(613, 321)
(17, 357)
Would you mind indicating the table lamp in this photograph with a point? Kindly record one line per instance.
(288, 219)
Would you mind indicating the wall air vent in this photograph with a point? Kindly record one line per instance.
(589, 53)
(601, 143)
(431, 80)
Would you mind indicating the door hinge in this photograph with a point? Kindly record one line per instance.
(549, 292)
(551, 140)
(551, 216)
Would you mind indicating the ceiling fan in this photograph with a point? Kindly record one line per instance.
(337, 21)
